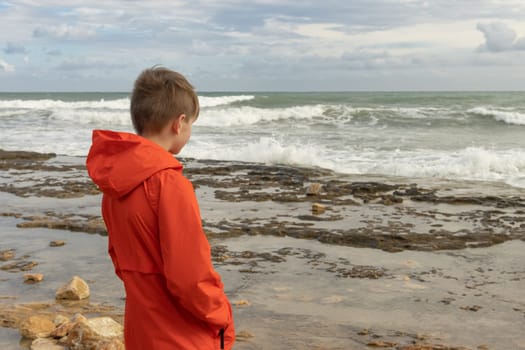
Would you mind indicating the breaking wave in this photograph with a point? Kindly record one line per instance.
(506, 116)
(213, 101)
(122, 103)
(433, 139)
(471, 163)
(245, 115)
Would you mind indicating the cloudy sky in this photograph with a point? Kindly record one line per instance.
(77, 45)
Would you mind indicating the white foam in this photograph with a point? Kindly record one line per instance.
(99, 118)
(506, 116)
(11, 112)
(413, 112)
(267, 150)
(245, 115)
(307, 135)
(122, 103)
(471, 163)
(213, 101)
(406, 112)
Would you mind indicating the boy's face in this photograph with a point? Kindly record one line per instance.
(183, 135)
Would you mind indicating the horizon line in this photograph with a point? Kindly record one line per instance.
(261, 91)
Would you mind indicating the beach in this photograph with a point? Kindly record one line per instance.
(380, 262)
(359, 168)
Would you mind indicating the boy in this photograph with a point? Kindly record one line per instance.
(174, 297)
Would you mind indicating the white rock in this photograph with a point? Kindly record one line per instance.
(57, 243)
(33, 277)
(318, 208)
(96, 333)
(36, 327)
(76, 289)
(313, 189)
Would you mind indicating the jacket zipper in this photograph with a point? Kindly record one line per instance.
(221, 334)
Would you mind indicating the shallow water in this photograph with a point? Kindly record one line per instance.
(9, 339)
(421, 294)
(299, 303)
(290, 293)
(83, 255)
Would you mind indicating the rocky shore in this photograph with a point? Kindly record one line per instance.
(311, 259)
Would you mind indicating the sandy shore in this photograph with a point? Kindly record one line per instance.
(390, 263)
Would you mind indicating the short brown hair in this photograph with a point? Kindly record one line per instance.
(160, 94)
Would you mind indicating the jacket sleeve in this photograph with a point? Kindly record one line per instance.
(111, 249)
(113, 256)
(186, 257)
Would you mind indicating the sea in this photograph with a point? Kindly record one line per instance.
(477, 136)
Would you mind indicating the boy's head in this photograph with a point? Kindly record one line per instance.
(159, 96)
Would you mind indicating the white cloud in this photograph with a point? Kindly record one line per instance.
(64, 31)
(283, 40)
(6, 67)
(500, 37)
(323, 31)
(81, 64)
(295, 37)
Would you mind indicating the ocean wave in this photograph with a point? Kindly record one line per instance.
(422, 112)
(98, 118)
(218, 111)
(213, 101)
(245, 115)
(122, 103)
(418, 112)
(506, 116)
(11, 113)
(329, 114)
(471, 163)
(266, 150)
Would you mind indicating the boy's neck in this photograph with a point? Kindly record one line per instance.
(159, 140)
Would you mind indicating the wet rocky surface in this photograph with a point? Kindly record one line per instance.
(378, 241)
(253, 262)
(391, 216)
(11, 316)
(42, 175)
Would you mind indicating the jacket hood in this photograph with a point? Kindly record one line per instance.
(119, 161)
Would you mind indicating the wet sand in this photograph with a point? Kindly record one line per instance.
(391, 263)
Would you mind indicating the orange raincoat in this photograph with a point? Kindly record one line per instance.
(174, 297)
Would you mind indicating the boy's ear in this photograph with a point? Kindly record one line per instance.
(176, 123)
